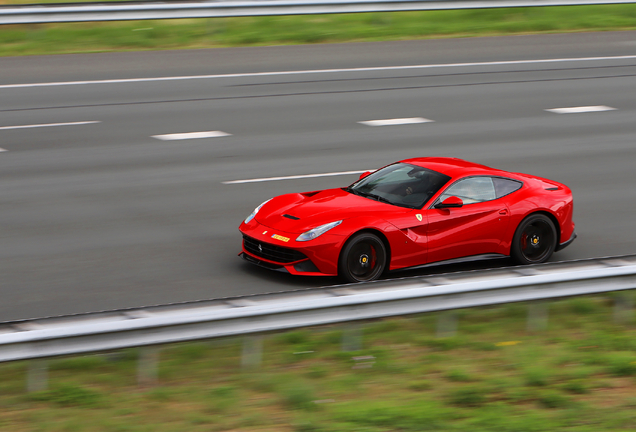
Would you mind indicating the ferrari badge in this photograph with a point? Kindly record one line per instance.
(419, 217)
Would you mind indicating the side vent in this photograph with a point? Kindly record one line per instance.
(549, 186)
(291, 217)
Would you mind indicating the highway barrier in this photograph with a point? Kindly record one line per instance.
(122, 11)
(258, 314)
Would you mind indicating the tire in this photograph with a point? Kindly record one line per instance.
(363, 258)
(534, 240)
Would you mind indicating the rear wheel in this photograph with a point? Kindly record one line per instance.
(535, 240)
(363, 258)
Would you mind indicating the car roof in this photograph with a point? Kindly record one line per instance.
(454, 167)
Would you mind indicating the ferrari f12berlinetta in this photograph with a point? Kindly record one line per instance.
(411, 213)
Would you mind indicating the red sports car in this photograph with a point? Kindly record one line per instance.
(408, 214)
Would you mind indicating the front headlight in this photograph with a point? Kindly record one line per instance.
(318, 231)
(251, 216)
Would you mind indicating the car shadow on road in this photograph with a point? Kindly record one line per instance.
(275, 281)
(451, 268)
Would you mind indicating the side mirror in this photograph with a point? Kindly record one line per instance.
(450, 202)
(364, 174)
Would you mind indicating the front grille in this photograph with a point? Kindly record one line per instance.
(271, 252)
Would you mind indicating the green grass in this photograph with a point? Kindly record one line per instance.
(579, 375)
(285, 30)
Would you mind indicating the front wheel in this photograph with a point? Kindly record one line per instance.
(534, 241)
(363, 258)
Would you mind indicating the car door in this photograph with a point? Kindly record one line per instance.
(475, 228)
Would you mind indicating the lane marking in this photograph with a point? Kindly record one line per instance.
(191, 135)
(316, 71)
(266, 179)
(3, 150)
(581, 109)
(48, 125)
(397, 121)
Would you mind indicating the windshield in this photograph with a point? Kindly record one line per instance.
(400, 184)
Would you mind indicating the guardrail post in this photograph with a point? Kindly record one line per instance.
(37, 375)
(446, 324)
(537, 316)
(252, 351)
(623, 308)
(148, 366)
(352, 337)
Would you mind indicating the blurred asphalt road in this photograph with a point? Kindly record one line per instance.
(102, 215)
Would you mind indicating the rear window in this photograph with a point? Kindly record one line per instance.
(504, 186)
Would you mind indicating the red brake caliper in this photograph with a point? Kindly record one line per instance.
(373, 257)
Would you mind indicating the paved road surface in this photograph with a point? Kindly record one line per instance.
(98, 214)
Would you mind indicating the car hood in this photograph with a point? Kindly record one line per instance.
(300, 212)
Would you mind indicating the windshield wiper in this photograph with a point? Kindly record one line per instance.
(373, 196)
(368, 195)
(379, 198)
(353, 191)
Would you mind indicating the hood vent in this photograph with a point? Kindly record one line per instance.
(291, 217)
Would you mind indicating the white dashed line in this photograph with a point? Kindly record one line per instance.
(2, 150)
(581, 109)
(317, 71)
(257, 180)
(395, 122)
(48, 125)
(191, 135)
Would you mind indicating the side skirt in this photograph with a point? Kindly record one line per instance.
(472, 258)
(566, 243)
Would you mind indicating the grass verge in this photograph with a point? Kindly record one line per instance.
(284, 30)
(579, 375)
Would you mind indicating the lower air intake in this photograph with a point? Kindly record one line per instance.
(272, 252)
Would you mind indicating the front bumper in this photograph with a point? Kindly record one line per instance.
(279, 250)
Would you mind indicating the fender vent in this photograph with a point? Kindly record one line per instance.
(291, 217)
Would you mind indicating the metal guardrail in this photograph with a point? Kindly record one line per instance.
(50, 337)
(121, 11)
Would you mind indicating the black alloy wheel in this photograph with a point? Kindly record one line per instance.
(535, 240)
(363, 258)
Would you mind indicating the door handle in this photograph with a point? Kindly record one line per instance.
(503, 212)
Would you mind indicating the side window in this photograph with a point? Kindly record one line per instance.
(505, 186)
(472, 190)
